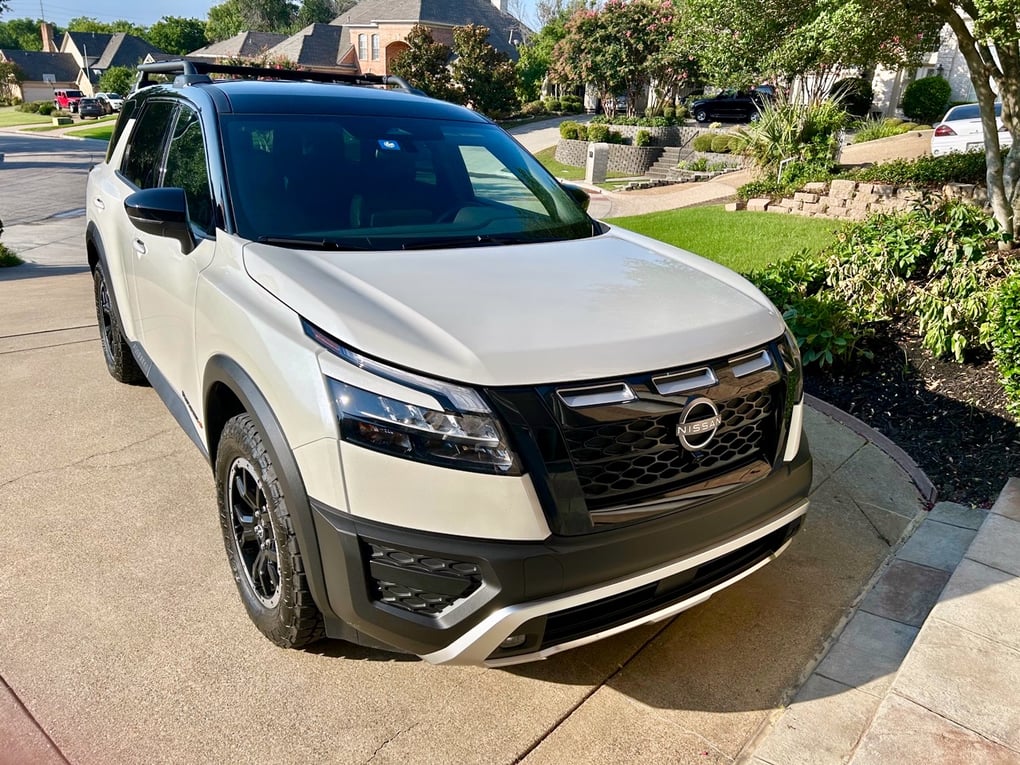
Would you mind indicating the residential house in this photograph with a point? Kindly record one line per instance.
(377, 29)
(947, 62)
(95, 52)
(43, 72)
(366, 38)
(241, 45)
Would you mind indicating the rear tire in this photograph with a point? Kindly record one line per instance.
(120, 362)
(259, 537)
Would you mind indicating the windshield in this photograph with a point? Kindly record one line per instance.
(382, 183)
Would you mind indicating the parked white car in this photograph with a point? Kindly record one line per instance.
(112, 102)
(960, 130)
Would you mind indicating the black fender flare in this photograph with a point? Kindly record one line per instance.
(224, 370)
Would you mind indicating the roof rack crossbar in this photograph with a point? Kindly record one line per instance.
(188, 71)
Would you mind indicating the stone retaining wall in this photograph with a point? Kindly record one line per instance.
(627, 160)
(856, 200)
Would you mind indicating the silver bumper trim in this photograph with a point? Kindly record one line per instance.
(475, 646)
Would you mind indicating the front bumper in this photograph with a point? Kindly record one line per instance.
(552, 595)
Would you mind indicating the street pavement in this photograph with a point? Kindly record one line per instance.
(122, 638)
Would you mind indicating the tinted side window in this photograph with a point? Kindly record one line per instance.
(140, 165)
(186, 167)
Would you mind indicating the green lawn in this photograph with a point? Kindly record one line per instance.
(102, 132)
(9, 116)
(565, 172)
(742, 240)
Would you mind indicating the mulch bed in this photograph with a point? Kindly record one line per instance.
(951, 418)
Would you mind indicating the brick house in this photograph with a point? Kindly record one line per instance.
(367, 38)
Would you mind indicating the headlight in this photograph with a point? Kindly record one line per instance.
(464, 434)
(466, 440)
(790, 352)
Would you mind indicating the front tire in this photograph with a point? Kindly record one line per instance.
(701, 115)
(120, 362)
(259, 538)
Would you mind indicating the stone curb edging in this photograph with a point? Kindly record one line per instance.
(883, 442)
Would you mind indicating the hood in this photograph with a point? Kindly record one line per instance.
(555, 312)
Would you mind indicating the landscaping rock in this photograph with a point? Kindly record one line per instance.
(734, 206)
(758, 205)
(842, 189)
(805, 196)
(816, 187)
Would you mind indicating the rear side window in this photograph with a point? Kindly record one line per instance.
(140, 165)
(186, 167)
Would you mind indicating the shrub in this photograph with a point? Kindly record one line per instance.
(32, 107)
(872, 130)
(571, 103)
(827, 328)
(927, 172)
(533, 109)
(938, 262)
(926, 99)
(553, 105)
(783, 130)
(681, 114)
(698, 165)
(570, 130)
(669, 112)
(643, 138)
(1004, 329)
(8, 258)
(854, 94)
(703, 141)
(721, 143)
(46, 109)
(598, 132)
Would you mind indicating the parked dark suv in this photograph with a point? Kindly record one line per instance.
(446, 411)
(731, 105)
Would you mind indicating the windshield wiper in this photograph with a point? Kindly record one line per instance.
(301, 243)
(464, 241)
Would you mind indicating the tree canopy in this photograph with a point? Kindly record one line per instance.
(22, 34)
(89, 24)
(485, 76)
(321, 11)
(424, 64)
(612, 47)
(233, 16)
(173, 34)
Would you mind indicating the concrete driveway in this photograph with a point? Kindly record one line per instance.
(122, 638)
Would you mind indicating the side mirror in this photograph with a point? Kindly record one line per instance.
(578, 194)
(161, 212)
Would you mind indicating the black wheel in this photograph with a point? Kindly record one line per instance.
(259, 539)
(701, 115)
(119, 360)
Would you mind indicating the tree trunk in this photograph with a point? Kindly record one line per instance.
(983, 71)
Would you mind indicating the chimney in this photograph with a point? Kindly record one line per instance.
(46, 31)
(500, 4)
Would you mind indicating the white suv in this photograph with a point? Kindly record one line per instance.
(447, 412)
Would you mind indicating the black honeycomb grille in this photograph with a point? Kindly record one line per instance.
(616, 461)
(420, 583)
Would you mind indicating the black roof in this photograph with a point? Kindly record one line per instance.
(34, 64)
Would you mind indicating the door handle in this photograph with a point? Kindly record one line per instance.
(139, 246)
(100, 204)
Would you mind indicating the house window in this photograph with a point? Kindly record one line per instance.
(375, 47)
(362, 47)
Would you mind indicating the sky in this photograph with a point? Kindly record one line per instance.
(143, 13)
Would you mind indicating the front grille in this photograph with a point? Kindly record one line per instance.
(417, 582)
(619, 462)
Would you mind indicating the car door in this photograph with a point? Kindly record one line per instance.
(165, 276)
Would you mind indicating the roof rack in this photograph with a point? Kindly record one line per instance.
(197, 72)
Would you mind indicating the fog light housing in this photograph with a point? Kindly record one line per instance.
(514, 641)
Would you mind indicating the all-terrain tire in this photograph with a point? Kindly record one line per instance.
(258, 534)
(120, 362)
